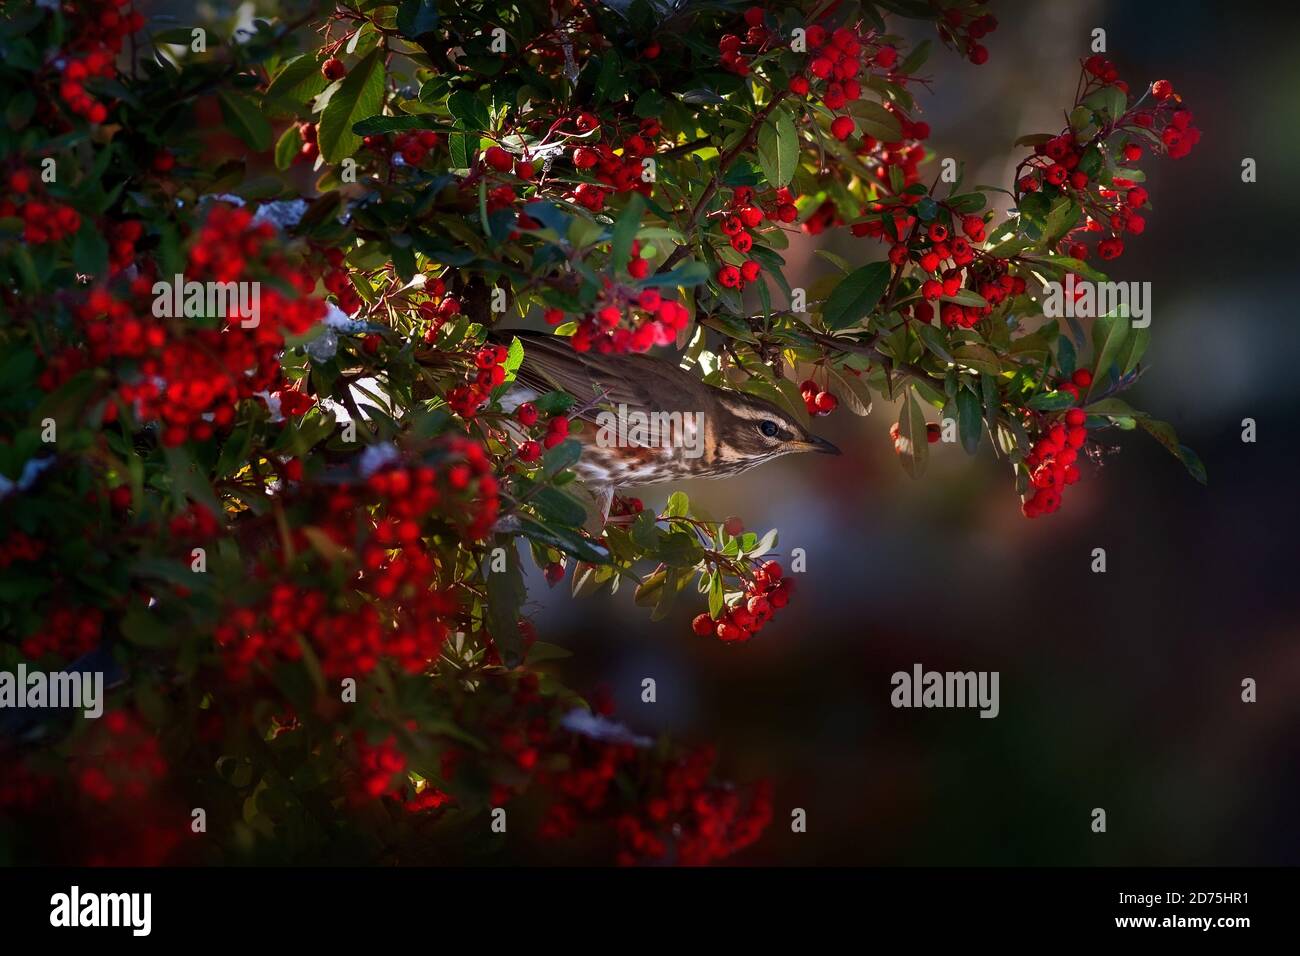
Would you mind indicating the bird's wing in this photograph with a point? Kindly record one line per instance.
(550, 363)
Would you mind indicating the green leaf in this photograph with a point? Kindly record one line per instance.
(298, 82)
(913, 445)
(934, 340)
(1062, 218)
(979, 357)
(287, 147)
(1108, 335)
(562, 456)
(968, 202)
(967, 297)
(462, 147)
(246, 120)
(624, 232)
(856, 295)
(90, 250)
(679, 506)
(969, 419)
(1063, 264)
(376, 125)
(556, 505)
(1051, 401)
(1066, 357)
(877, 121)
(778, 148)
(1110, 101)
(1111, 407)
(415, 18)
(506, 593)
(469, 111)
(650, 591)
(716, 594)
(916, 59)
(361, 95)
(1164, 433)
(568, 541)
(1126, 360)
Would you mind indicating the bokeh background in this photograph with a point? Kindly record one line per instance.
(1118, 690)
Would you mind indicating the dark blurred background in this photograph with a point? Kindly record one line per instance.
(1119, 690)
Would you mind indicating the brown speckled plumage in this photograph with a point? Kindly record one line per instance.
(740, 430)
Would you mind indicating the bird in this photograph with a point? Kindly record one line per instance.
(646, 420)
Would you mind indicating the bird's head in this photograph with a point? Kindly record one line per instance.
(750, 430)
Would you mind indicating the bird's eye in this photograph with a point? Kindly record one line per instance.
(768, 428)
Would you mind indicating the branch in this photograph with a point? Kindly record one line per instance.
(711, 189)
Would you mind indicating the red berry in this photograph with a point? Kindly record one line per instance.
(499, 159)
(1082, 378)
(333, 69)
(842, 127)
(703, 625)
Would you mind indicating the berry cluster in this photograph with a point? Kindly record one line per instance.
(195, 523)
(654, 320)
(1057, 166)
(66, 633)
(379, 766)
(766, 594)
(186, 377)
(335, 279)
(707, 822)
(680, 814)
(438, 309)
(22, 788)
(736, 224)
(19, 546)
(964, 29)
(97, 31)
(122, 759)
(415, 147)
(817, 400)
(1052, 460)
(557, 429)
(757, 37)
(486, 374)
(385, 522)
(619, 170)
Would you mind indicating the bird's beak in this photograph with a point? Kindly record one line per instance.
(815, 443)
